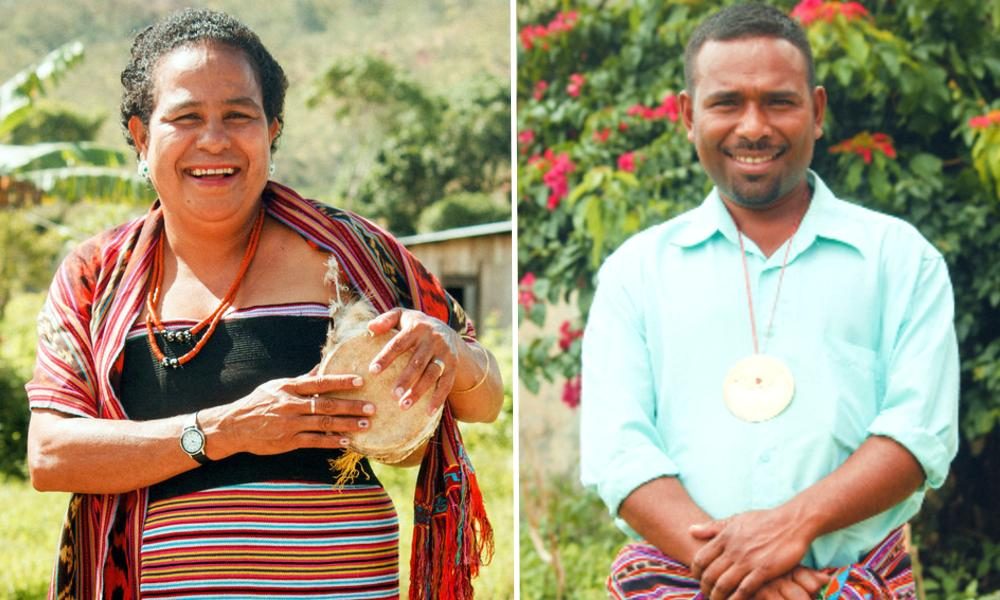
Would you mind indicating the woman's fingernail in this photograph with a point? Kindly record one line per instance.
(398, 392)
(357, 381)
(363, 423)
(374, 367)
(406, 404)
(368, 409)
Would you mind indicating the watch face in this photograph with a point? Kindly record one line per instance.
(192, 441)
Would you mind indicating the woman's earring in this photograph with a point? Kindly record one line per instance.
(271, 169)
(143, 169)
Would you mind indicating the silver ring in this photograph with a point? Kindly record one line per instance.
(312, 402)
(440, 365)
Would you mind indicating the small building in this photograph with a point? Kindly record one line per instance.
(474, 264)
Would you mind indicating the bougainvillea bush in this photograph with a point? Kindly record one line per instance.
(913, 129)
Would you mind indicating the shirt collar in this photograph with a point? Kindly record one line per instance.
(826, 218)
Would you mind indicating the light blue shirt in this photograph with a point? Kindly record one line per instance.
(864, 321)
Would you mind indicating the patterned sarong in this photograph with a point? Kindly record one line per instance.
(641, 572)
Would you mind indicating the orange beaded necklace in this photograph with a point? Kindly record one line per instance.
(153, 323)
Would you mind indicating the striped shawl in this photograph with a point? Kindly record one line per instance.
(96, 297)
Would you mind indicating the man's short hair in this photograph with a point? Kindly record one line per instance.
(747, 21)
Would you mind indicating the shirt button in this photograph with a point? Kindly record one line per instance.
(765, 457)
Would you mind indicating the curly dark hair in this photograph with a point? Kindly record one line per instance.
(190, 27)
(746, 21)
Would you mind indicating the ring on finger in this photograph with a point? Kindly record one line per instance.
(312, 403)
(440, 365)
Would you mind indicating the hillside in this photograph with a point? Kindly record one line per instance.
(442, 44)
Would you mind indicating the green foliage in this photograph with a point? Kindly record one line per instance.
(433, 147)
(462, 209)
(70, 169)
(369, 83)
(13, 421)
(954, 576)
(52, 121)
(596, 165)
(567, 541)
(18, 93)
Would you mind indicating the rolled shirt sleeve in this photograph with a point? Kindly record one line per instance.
(919, 409)
(620, 446)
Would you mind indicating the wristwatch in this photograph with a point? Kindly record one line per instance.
(193, 439)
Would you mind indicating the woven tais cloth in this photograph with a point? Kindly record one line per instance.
(641, 572)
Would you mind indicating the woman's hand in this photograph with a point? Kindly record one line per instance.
(433, 362)
(286, 414)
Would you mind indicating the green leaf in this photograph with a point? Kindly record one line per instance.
(857, 48)
(926, 165)
(879, 182)
(537, 313)
(843, 71)
(18, 93)
(593, 218)
(852, 181)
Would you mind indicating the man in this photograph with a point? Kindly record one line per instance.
(770, 380)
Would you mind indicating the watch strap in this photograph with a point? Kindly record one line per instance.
(191, 424)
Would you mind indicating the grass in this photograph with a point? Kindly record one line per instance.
(29, 530)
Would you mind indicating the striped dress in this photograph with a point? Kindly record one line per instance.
(255, 526)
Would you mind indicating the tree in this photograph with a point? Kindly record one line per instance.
(913, 130)
(424, 149)
(70, 170)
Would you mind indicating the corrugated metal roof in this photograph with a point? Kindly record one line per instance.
(457, 233)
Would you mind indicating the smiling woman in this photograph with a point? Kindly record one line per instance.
(176, 394)
(208, 136)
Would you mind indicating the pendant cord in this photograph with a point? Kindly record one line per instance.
(777, 292)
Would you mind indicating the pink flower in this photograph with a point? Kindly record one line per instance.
(571, 392)
(669, 108)
(985, 121)
(601, 135)
(623, 126)
(525, 294)
(526, 137)
(556, 179)
(530, 33)
(567, 335)
(635, 110)
(806, 11)
(980, 122)
(626, 162)
(576, 82)
(809, 11)
(541, 34)
(563, 22)
(539, 91)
